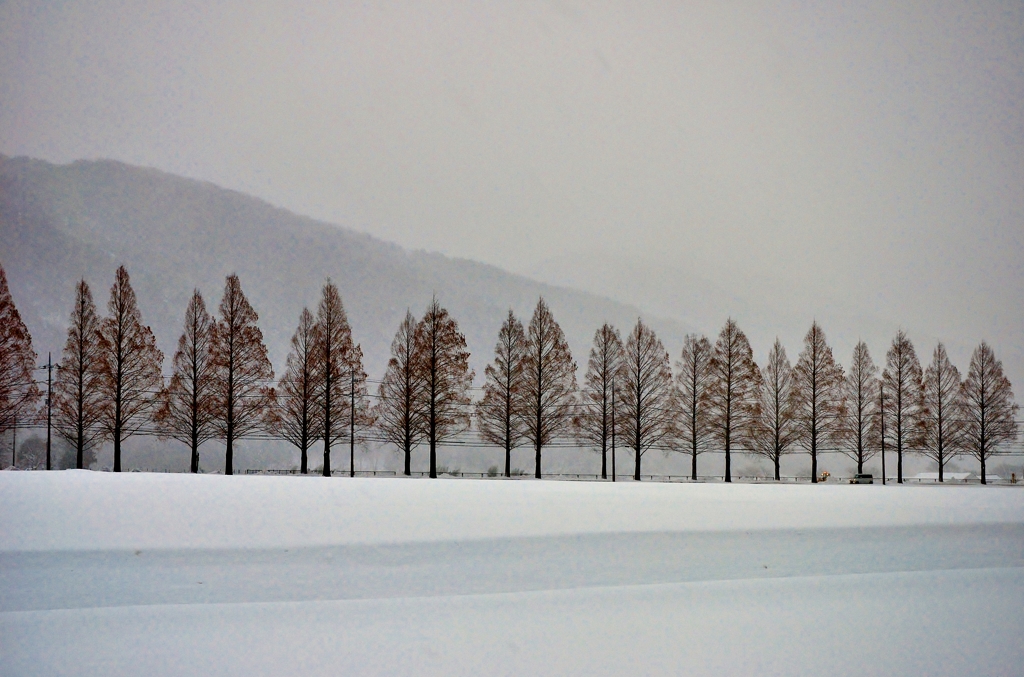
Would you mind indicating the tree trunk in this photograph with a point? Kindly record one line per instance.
(604, 459)
(117, 435)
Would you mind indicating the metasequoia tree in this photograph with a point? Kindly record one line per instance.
(397, 417)
(443, 364)
(549, 382)
(902, 404)
(942, 415)
(77, 394)
(297, 414)
(862, 434)
(776, 425)
(604, 369)
(18, 391)
(360, 414)
(241, 370)
(497, 414)
(334, 356)
(818, 396)
(129, 364)
(694, 383)
(734, 394)
(185, 411)
(647, 399)
(989, 412)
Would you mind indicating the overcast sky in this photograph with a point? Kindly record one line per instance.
(874, 151)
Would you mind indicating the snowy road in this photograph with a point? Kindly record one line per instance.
(401, 577)
(83, 579)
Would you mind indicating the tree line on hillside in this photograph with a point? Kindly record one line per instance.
(108, 386)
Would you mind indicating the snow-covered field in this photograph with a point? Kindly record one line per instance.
(149, 574)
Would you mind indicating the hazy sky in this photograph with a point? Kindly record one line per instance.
(874, 151)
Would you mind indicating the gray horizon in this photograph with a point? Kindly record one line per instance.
(861, 165)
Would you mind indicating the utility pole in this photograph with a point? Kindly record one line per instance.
(49, 404)
(352, 426)
(881, 422)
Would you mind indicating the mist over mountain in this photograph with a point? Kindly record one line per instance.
(60, 223)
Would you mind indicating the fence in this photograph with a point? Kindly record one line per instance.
(591, 477)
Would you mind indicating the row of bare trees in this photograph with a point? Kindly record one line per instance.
(109, 387)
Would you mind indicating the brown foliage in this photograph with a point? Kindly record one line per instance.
(735, 384)
(776, 427)
(989, 412)
(942, 414)
(296, 412)
(130, 365)
(77, 391)
(497, 414)
(694, 386)
(241, 370)
(861, 439)
(19, 394)
(185, 411)
(819, 396)
(647, 406)
(549, 382)
(333, 362)
(397, 416)
(902, 403)
(442, 364)
(604, 369)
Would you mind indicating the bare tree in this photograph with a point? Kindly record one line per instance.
(734, 402)
(497, 413)
(776, 426)
(18, 391)
(443, 364)
(942, 415)
(989, 412)
(694, 385)
(130, 365)
(185, 410)
(77, 392)
(901, 413)
(862, 436)
(647, 398)
(360, 414)
(549, 382)
(397, 416)
(242, 369)
(818, 395)
(334, 349)
(604, 368)
(297, 414)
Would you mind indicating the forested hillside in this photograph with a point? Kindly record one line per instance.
(59, 223)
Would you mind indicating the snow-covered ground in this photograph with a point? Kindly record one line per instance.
(150, 574)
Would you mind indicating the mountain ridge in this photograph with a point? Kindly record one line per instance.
(60, 223)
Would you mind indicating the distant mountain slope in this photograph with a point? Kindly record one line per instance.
(59, 223)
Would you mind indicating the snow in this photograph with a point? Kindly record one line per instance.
(104, 574)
